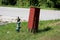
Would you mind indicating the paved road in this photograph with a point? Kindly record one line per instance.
(23, 13)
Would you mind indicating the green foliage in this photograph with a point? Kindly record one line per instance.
(11, 2)
(54, 3)
(36, 3)
(23, 3)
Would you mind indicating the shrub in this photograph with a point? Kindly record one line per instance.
(5, 2)
(11, 2)
(34, 3)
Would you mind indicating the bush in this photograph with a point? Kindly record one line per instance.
(5, 2)
(34, 3)
(11, 2)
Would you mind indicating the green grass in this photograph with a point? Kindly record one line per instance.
(47, 31)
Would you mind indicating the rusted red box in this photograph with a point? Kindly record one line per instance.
(33, 18)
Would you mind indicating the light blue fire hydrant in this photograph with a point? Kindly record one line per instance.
(18, 25)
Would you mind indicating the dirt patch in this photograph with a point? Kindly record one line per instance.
(3, 23)
(54, 24)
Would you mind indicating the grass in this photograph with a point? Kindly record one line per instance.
(47, 31)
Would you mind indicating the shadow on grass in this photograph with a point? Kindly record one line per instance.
(44, 30)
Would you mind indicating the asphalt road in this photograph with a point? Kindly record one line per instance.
(23, 13)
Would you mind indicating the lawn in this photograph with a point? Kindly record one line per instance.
(48, 30)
